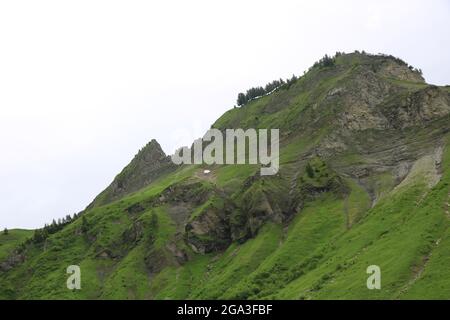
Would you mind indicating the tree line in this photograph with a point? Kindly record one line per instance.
(56, 225)
(40, 235)
(256, 92)
(325, 62)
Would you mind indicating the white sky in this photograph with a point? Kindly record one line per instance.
(85, 84)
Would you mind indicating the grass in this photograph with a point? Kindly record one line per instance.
(408, 84)
(236, 263)
(9, 241)
(320, 251)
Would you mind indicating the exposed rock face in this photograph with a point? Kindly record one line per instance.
(367, 110)
(209, 232)
(262, 199)
(150, 163)
(13, 260)
(370, 112)
(425, 169)
(368, 124)
(418, 108)
(360, 96)
(394, 69)
(388, 126)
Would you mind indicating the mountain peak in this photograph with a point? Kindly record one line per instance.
(151, 151)
(147, 165)
(383, 65)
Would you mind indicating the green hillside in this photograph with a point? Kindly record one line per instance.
(11, 239)
(364, 180)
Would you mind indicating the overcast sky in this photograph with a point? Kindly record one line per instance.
(85, 84)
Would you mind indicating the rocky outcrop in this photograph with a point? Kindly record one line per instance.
(209, 230)
(417, 108)
(395, 68)
(13, 260)
(150, 163)
(373, 99)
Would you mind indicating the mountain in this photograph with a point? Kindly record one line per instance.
(364, 180)
(150, 163)
(9, 240)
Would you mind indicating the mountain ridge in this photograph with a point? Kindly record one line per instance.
(147, 165)
(364, 179)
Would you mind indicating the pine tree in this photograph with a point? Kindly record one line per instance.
(241, 100)
(6, 231)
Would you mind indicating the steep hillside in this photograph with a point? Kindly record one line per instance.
(364, 180)
(11, 239)
(150, 163)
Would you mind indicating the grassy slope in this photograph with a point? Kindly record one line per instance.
(323, 253)
(317, 257)
(109, 222)
(11, 240)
